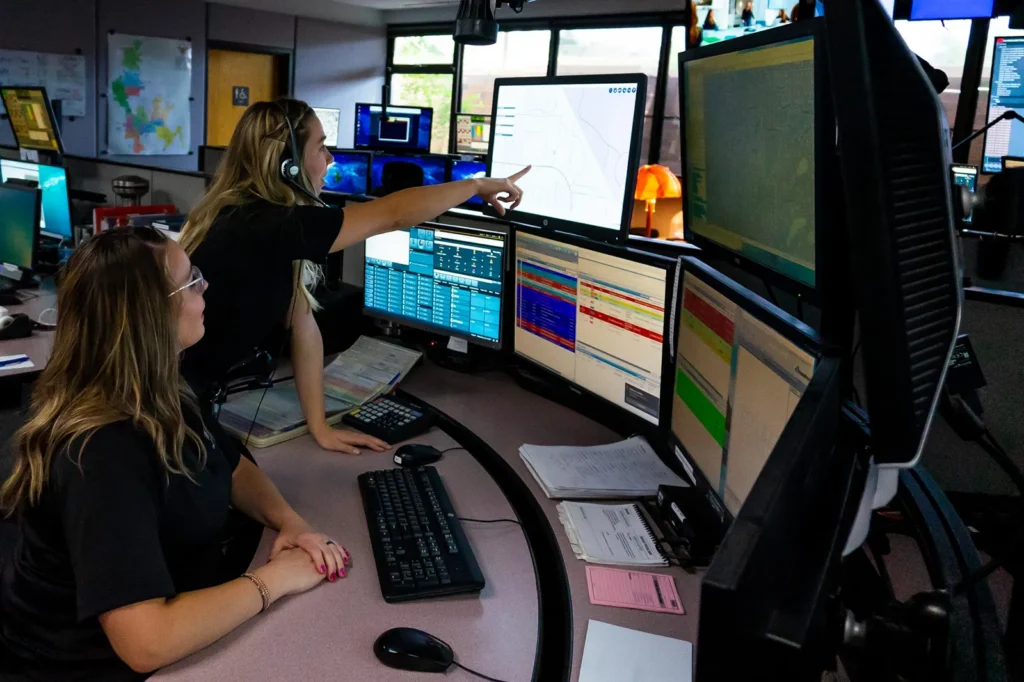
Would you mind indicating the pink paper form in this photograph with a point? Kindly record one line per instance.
(633, 590)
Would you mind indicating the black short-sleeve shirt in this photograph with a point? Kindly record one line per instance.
(112, 531)
(247, 259)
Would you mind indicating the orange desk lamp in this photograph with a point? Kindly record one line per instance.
(653, 183)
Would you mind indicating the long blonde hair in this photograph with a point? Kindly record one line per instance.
(115, 358)
(251, 170)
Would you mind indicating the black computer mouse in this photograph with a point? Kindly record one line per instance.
(414, 455)
(412, 649)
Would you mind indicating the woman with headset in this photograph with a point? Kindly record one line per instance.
(259, 231)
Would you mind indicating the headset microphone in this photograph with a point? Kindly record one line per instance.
(290, 170)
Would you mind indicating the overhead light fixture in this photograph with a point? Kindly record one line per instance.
(475, 23)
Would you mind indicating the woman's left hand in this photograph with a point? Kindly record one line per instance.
(348, 442)
(330, 558)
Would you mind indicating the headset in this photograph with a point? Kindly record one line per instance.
(291, 170)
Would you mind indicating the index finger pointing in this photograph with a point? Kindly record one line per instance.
(520, 174)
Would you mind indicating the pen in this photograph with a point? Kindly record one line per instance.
(16, 360)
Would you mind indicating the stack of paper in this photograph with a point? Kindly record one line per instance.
(614, 654)
(618, 470)
(610, 534)
(370, 368)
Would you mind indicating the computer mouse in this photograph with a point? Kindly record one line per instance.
(412, 649)
(415, 455)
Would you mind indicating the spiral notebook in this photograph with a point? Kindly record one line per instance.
(610, 534)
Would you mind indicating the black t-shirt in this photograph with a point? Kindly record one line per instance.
(114, 532)
(247, 258)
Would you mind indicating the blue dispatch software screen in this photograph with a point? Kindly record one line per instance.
(443, 279)
(1006, 138)
(463, 170)
(406, 128)
(349, 173)
(434, 168)
(55, 218)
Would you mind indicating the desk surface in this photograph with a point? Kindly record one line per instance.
(333, 627)
(39, 345)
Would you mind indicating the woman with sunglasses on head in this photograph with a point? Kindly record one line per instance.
(260, 232)
(121, 491)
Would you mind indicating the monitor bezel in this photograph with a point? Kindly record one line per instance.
(988, 101)
(368, 157)
(775, 318)
(445, 157)
(621, 251)
(390, 148)
(824, 152)
(35, 226)
(49, 112)
(379, 314)
(473, 151)
(636, 142)
(67, 196)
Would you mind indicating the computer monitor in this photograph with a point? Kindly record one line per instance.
(19, 226)
(1006, 92)
(404, 128)
(595, 315)
(1011, 162)
(435, 168)
(55, 220)
(349, 173)
(31, 118)
(463, 170)
(741, 366)
(967, 177)
(934, 10)
(755, 129)
(440, 278)
(582, 136)
(330, 119)
(472, 133)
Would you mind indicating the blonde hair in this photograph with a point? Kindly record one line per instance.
(115, 358)
(251, 170)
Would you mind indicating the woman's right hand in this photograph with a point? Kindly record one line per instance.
(496, 191)
(291, 571)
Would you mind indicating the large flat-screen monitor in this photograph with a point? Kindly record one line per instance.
(349, 173)
(464, 170)
(595, 315)
(741, 366)
(441, 278)
(435, 168)
(330, 119)
(404, 128)
(1005, 138)
(754, 131)
(32, 119)
(19, 225)
(55, 220)
(582, 136)
(934, 10)
(472, 133)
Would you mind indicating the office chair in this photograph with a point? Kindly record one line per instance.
(399, 175)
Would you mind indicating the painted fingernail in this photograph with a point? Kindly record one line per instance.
(341, 573)
(331, 578)
(323, 569)
(355, 452)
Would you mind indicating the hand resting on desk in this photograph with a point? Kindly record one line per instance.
(345, 441)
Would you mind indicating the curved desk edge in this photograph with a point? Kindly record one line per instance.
(554, 628)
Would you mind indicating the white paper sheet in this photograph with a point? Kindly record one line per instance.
(615, 654)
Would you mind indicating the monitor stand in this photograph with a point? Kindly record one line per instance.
(462, 356)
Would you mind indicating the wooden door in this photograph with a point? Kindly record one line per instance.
(234, 80)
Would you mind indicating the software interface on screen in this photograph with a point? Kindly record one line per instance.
(737, 382)
(444, 279)
(966, 176)
(577, 138)
(30, 118)
(463, 170)
(434, 168)
(55, 218)
(17, 229)
(348, 173)
(924, 10)
(594, 319)
(403, 128)
(1006, 138)
(472, 133)
(330, 119)
(750, 166)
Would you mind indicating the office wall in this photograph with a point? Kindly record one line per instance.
(251, 27)
(337, 65)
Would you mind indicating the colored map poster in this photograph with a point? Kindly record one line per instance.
(148, 96)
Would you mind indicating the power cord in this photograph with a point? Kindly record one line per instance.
(473, 672)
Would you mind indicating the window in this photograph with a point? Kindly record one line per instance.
(614, 50)
(427, 90)
(516, 54)
(420, 50)
(671, 152)
(943, 44)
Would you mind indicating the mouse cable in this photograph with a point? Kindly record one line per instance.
(453, 449)
(462, 518)
(473, 672)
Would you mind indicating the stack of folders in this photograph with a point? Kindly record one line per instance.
(627, 469)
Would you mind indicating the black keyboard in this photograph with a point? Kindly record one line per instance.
(418, 544)
(391, 419)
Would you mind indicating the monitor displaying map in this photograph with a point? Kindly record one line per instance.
(582, 138)
(330, 119)
(31, 118)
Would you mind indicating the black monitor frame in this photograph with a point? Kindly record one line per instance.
(389, 148)
(369, 164)
(770, 315)
(376, 313)
(1018, 161)
(205, 151)
(988, 100)
(636, 141)
(824, 153)
(574, 390)
(35, 224)
(71, 221)
(54, 124)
